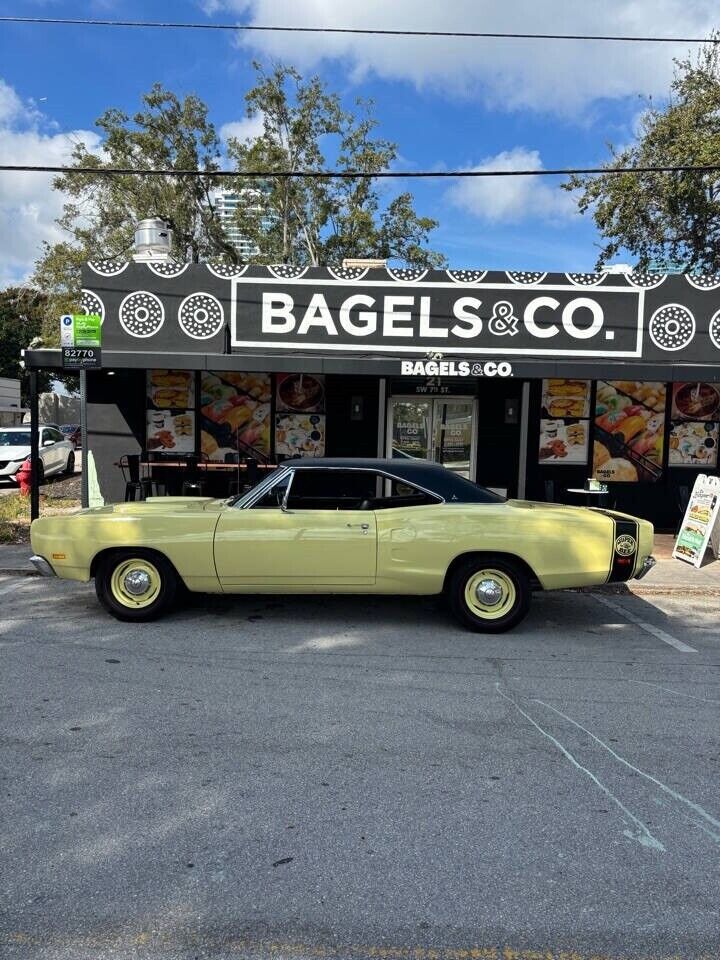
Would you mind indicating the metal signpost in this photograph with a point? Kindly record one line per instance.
(81, 345)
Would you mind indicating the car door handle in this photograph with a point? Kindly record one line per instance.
(363, 526)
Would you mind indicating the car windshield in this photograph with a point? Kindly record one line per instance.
(11, 438)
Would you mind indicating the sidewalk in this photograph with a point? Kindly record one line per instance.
(667, 576)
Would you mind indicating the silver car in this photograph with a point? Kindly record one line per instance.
(57, 455)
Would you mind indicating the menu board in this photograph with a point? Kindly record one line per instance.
(235, 415)
(565, 424)
(629, 431)
(299, 435)
(695, 425)
(170, 419)
(701, 522)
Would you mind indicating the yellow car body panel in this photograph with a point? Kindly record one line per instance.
(218, 547)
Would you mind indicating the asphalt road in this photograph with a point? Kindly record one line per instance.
(358, 778)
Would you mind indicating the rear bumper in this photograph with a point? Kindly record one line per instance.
(42, 566)
(647, 565)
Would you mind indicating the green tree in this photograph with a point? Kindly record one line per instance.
(102, 211)
(21, 321)
(668, 218)
(308, 221)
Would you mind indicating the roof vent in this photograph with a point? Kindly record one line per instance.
(153, 240)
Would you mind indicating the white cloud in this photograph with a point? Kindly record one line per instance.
(509, 200)
(246, 129)
(28, 204)
(560, 76)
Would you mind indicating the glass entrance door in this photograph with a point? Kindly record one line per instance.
(442, 429)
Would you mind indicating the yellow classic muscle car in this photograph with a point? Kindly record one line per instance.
(398, 526)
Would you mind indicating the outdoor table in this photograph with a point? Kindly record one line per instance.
(589, 494)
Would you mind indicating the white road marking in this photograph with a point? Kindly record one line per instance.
(676, 693)
(644, 625)
(669, 790)
(642, 835)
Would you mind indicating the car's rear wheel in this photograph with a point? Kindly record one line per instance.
(136, 585)
(70, 466)
(489, 595)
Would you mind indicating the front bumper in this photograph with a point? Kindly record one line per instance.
(647, 565)
(42, 566)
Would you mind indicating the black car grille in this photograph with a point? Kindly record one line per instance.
(3, 464)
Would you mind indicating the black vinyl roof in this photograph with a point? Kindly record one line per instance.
(432, 476)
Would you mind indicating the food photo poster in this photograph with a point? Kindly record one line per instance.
(236, 415)
(695, 427)
(170, 417)
(629, 431)
(565, 424)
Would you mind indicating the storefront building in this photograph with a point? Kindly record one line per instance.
(528, 383)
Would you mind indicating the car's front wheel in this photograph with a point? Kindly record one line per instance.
(489, 595)
(135, 585)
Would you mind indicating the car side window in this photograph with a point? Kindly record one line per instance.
(317, 489)
(56, 435)
(274, 496)
(45, 436)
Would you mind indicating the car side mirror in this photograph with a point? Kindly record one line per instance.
(48, 443)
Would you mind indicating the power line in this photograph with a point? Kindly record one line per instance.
(360, 174)
(365, 31)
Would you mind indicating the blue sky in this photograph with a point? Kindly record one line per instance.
(447, 103)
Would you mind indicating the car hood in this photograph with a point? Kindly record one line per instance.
(153, 505)
(14, 453)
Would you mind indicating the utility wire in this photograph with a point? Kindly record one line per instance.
(247, 27)
(359, 174)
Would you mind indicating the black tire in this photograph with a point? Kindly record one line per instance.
(493, 616)
(111, 585)
(70, 466)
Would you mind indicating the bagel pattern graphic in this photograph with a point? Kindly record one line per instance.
(703, 281)
(525, 276)
(141, 314)
(672, 327)
(647, 281)
(585, 279)
(715, 329)
(407, 274)
(108, 268)
(169, 268)
(287, 271)
(224, 270)
(201, 316)
(91, 303)
(348, 273)
(466, 276)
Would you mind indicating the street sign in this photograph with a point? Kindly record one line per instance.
(81, 358)
(81, 340)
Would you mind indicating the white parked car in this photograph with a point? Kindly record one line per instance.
(57, 455)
